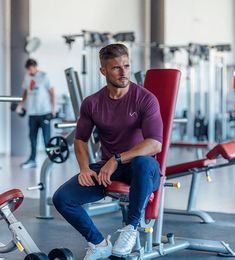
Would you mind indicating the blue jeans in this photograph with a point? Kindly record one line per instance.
(36, 122)
(143, 176)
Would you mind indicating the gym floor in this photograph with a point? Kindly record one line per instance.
(217, 196)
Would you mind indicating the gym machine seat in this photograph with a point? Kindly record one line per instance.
(226, 151)
(164, 84)
(9, 202)
(116, 188)
(13, 198)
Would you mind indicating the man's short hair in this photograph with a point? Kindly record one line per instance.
(30, 62)
(112, 51)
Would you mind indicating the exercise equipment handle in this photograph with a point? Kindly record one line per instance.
(37, 187)
(180, 120)
(173, 184)
(65, 125)
(208, 177)
(10, 99)
(54, 149)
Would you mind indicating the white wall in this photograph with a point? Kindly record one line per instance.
(50, 19)
(199, 21)
(4, 76)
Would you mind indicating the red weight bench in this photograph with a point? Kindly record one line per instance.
(226, 151)
(164, 84)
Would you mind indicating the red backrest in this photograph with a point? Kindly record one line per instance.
(164, 84)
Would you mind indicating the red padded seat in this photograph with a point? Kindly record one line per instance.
(121, 187)
(9, 196)
(226, 150)
(184, 167)
(118, 186)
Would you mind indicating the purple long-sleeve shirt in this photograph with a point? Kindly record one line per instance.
(122, 123)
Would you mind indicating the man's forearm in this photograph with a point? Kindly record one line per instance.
(148, 147)
(53, 99)
(24, 97)
(81, 152)
(53, 103)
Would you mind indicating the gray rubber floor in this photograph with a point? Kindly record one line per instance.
(49, 234)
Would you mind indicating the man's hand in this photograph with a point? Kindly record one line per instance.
(53, 112)
(19, 107)
(85, 177)
(106, 171)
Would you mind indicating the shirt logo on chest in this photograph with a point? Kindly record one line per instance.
(132, 113)
(32, 84)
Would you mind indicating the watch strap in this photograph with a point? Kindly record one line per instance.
(118, 158)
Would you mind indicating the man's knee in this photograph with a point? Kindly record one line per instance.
(143, 165)
(142, 162)
(58, 199)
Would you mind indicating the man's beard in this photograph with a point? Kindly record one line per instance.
(116, 85)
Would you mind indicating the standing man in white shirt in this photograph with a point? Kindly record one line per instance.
(39, 98)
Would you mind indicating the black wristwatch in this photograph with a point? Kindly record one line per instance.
(118, 158)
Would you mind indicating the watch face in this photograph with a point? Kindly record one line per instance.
(118, 158)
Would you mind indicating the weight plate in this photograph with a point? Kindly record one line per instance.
(58, 149)
(61, 254)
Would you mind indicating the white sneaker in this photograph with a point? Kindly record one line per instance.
(125, 242)
(28, 164)
(98, 252)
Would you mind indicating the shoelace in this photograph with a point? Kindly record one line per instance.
(92, 248)
(126, 236)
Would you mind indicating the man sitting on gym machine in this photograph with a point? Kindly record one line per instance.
(129, 123)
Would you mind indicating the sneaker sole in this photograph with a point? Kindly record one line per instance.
(121, 254)
(28, 166)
